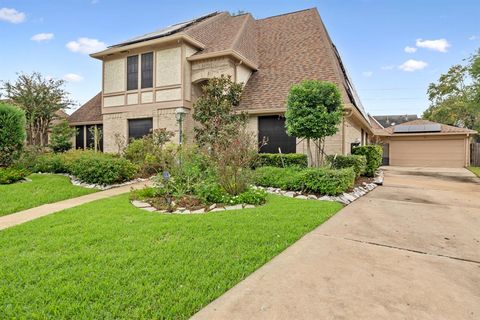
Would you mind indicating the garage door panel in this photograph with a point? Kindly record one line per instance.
(431, 153)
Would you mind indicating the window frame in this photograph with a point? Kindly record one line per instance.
(152, 66)
(133, 73)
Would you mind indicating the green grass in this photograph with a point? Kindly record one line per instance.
(109, 260)
(475, 170)
(44, 188)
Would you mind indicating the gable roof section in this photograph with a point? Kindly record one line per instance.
(90, 112)
(291, 48)
(444, 129)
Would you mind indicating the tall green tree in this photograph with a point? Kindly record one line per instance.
(314, 111)
(40, 98)
(455, 98)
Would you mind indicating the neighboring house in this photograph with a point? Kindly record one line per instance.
(423, 143)
(146, 78)
(85, 119)
(391, 120)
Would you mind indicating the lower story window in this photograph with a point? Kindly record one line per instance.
(138, 128)
(79, 137)
(272, 129)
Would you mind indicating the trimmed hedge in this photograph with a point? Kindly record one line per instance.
(373, 153)
(12, 133)
(357, 162)
(282, 160)
(88, 166)
(11, 175)
(318, 180)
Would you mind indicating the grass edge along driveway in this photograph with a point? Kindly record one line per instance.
(109, 260)
(43, 189)
(475, 170)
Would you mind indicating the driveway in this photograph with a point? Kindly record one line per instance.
(408, 250)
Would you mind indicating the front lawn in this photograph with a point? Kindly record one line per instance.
(475, 170)
(109, 260)
(44, 188)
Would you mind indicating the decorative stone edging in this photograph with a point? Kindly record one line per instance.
(79, 183)
(344, 198)
(213, 208)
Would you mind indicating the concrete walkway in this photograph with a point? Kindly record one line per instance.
(46, 209)
(408, 250)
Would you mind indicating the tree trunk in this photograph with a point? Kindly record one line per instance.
(309, 153)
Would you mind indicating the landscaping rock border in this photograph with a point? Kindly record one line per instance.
(102, 187)
(213, 208)
(344, 198)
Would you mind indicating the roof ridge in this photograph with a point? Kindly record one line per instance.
(240, 31)
(287, 13)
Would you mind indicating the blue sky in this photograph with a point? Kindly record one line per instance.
(371, 35)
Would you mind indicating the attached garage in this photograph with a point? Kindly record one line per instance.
(423, 143)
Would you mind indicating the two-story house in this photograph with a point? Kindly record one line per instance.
(145, 79)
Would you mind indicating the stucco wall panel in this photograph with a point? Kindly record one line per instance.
(168, 94)
(168, 67)
(114, 101)
(114, 76)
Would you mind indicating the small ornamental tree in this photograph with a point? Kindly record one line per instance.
(213, 111)
(12, 133)
(61, 137)
(314, 111)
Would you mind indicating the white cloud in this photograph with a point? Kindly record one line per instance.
(86, 45)
(440, 45)
(473, 37)
(42, 37)
(410, 49)
(413, 65)
(367, 74)
(72, 77)
(11, 15)
(389, 67)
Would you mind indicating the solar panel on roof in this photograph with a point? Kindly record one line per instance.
(434, 127)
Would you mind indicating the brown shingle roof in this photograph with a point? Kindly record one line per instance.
(444, 128)
(90, 112)
(291, 48)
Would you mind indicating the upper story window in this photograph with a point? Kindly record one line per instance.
(147, 70)
(132, 73)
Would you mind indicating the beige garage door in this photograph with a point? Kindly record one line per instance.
(428, 153)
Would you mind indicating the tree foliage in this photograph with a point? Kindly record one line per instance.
(214, 113)
(40, 98)
(61, 137)
(455, 98)
(12, 133)
(314, 111)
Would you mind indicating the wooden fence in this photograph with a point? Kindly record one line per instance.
(475, 154)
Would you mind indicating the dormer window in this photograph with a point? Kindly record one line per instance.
(132, 73)
(147, 70)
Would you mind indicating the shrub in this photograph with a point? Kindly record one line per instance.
(328, 181)
(318, 180)
(11, 175)
(281, 160)
(357, 162)
(149, 152)
(12, 133)
(61, 138)
(28, 158)
(252, 196)
(373, 153)
(87, 166)
(283, 178)
(100, 168)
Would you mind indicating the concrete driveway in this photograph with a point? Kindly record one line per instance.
(407, 250)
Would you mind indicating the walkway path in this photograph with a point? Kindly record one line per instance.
(407, 250)
(46, 209)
